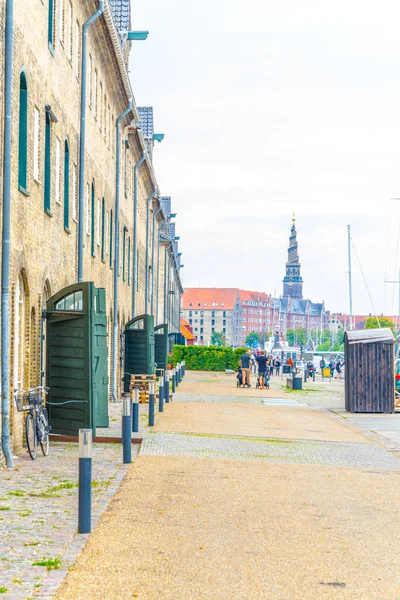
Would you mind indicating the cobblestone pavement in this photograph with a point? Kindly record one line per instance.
(362, 456)
(39, 515)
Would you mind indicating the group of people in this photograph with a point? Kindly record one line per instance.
(335, 366)
(261, 362)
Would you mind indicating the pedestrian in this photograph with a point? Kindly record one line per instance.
(262, 368)
(277, 365)
(246, 362)
(253, 364)
(338, 370)
(322, 363)
(271, 365)
(290, 362)
(332, 366)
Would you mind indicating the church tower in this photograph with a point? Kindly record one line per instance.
(293, 282)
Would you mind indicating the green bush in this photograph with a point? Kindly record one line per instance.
(207, 358)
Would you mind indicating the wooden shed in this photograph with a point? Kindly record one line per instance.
(369, 374)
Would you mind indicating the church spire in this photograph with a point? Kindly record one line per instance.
(293, 282)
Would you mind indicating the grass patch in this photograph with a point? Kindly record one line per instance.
(17, 580)
(16, 493)
(236, 437)
(26, 513)
(52, 492)
(5, 508)
(31, 543)
(49, 563)
(3, 590)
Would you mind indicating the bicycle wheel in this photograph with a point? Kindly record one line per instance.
(31, 435)
(44, 429)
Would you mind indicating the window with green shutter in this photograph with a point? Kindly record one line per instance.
(47, 166)
(50, 28)
(111, 238)
(103, 210)
(23, 133)
(93, 220)
(123, 253)
(129, 260)
(66, 186)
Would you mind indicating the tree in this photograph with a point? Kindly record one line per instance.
(263, 338)
(218, 339)
(252, 339)
(372, 323)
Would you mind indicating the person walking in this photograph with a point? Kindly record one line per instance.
(271, 365)
(332, 366)
(338, 370)
(262, 368)
(277, 365)
(246, 362)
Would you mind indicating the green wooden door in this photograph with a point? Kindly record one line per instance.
(139, 347)
(77, 359)
(161, 346)
(100, 358)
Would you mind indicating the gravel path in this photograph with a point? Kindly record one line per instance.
(218, 516)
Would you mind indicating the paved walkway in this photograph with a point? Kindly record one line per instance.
(39, 506)
(248, 499)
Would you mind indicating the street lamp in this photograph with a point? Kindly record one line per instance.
(137, 36)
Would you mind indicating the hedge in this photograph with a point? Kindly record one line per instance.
(207, 358)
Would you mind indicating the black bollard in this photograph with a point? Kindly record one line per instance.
(161, 394)
(166, 387)
(151, 403)
(126, 430)
(135, 411)
(85, 481)
(173, 381)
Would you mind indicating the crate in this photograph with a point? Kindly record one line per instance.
(141, 383)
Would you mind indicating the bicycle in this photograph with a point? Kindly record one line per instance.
(37, 426)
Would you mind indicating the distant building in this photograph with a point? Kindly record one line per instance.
(293, 282)
(341, 322)
(257, 312)
(213, 309)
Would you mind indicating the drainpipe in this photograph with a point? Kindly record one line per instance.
(166, 280)
(152, 262)
(116, 251)
(146, 291)
(81, 216)
(135, 210)
(158, 274)
(5, 250)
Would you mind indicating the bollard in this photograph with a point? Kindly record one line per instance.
(179, 372)
(305, 375)
(173, 380)
(85, 481)
(183, 368)
(135, 411)
(151, 403)
(126, 430)
(166, 387)
(177, 375)
(313, 375)
(161, 394)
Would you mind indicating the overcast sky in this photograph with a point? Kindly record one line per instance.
(274, 107)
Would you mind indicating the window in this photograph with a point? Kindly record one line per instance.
(61, 20)
(107, 227)
(100, 105)
(87, 209)
(73, 301)
(103, 208)
(36, 140)
(111, 236)
(99, 222)
(120, 251)
(123, 254)
(50, 27)
(47, 165)
(69, 40)
(95, 93)
(129, 260)
(74, 195)
(89, 74)
(77, 49)
(58, 167)
(93, 220)
(66, 186)
(23, 132)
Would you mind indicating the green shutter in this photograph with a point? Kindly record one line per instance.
(102, 228)
(129, 260)
(47, 165)
(23, 132)
(66, 186)
(50, 30)
(111, 238)
(93, 221)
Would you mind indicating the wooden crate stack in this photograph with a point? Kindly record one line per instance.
(141, 382)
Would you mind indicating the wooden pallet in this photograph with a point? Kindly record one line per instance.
(141, 383)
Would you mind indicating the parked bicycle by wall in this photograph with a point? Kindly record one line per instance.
(37, 426)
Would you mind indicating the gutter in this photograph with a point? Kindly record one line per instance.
(116, 251)
(5, 249)
(82, 138)
(152, 259)
(146, 292)
(135, 210)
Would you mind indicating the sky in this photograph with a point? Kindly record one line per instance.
(270, 108)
